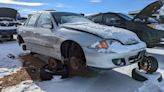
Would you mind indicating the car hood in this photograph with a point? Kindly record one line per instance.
(8, 12)
(149, 10)
(106, 32)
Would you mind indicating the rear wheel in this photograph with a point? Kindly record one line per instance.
(75, 59)
(148, 64)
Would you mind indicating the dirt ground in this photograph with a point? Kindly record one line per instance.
(30, 71)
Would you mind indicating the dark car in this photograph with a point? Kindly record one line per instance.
(8, 22)
(142, 24)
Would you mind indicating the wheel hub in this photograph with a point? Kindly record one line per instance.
(146, 66)
(74, 63)
(53, 63)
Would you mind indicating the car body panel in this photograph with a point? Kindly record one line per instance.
(48, 42)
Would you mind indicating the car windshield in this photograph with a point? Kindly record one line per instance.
(126, 16)
(63, 18)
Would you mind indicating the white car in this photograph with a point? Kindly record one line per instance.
(78, 42)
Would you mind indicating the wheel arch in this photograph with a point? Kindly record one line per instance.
(67, 45)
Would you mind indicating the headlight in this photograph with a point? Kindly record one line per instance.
(99, 45)
(103, 46)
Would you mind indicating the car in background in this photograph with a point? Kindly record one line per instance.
(78, 42)
(8, 22)
(148, 29)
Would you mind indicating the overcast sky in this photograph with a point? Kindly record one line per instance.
(78, 6)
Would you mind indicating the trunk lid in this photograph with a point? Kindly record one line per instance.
(149, 10)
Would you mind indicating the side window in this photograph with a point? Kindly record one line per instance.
(45, 19)
(32, 20)
(97, 18)
(111, 19)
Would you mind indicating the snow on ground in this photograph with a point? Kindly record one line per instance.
(25, 86)
(116, 80)
(8, 65)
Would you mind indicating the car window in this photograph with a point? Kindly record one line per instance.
(97, 18)
(32, 20)
(45, 18)
(111, 19)
(126, 16)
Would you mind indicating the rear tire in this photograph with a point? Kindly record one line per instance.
(137, 77)
(140, 77)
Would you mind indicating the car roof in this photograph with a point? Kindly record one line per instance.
(103, 13)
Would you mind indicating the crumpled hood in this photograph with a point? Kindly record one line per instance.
(106, 32)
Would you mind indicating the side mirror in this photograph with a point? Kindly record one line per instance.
(48, 26)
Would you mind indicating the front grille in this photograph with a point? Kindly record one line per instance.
(7, 25)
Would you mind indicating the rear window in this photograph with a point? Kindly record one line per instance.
(32, 20)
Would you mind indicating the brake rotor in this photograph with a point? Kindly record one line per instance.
(74, 63)
(53, 63)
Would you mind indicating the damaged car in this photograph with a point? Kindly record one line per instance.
(78, 43)
(8, 22)
(147, 29)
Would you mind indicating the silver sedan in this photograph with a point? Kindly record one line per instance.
(78, 42)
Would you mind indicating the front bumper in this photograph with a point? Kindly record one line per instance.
(106, 60)
(8, 32)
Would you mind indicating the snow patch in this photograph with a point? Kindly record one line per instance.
(25, 86)
(9, 65)
(151, 86)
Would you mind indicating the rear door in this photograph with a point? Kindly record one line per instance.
(28, 30)
(45, 34)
